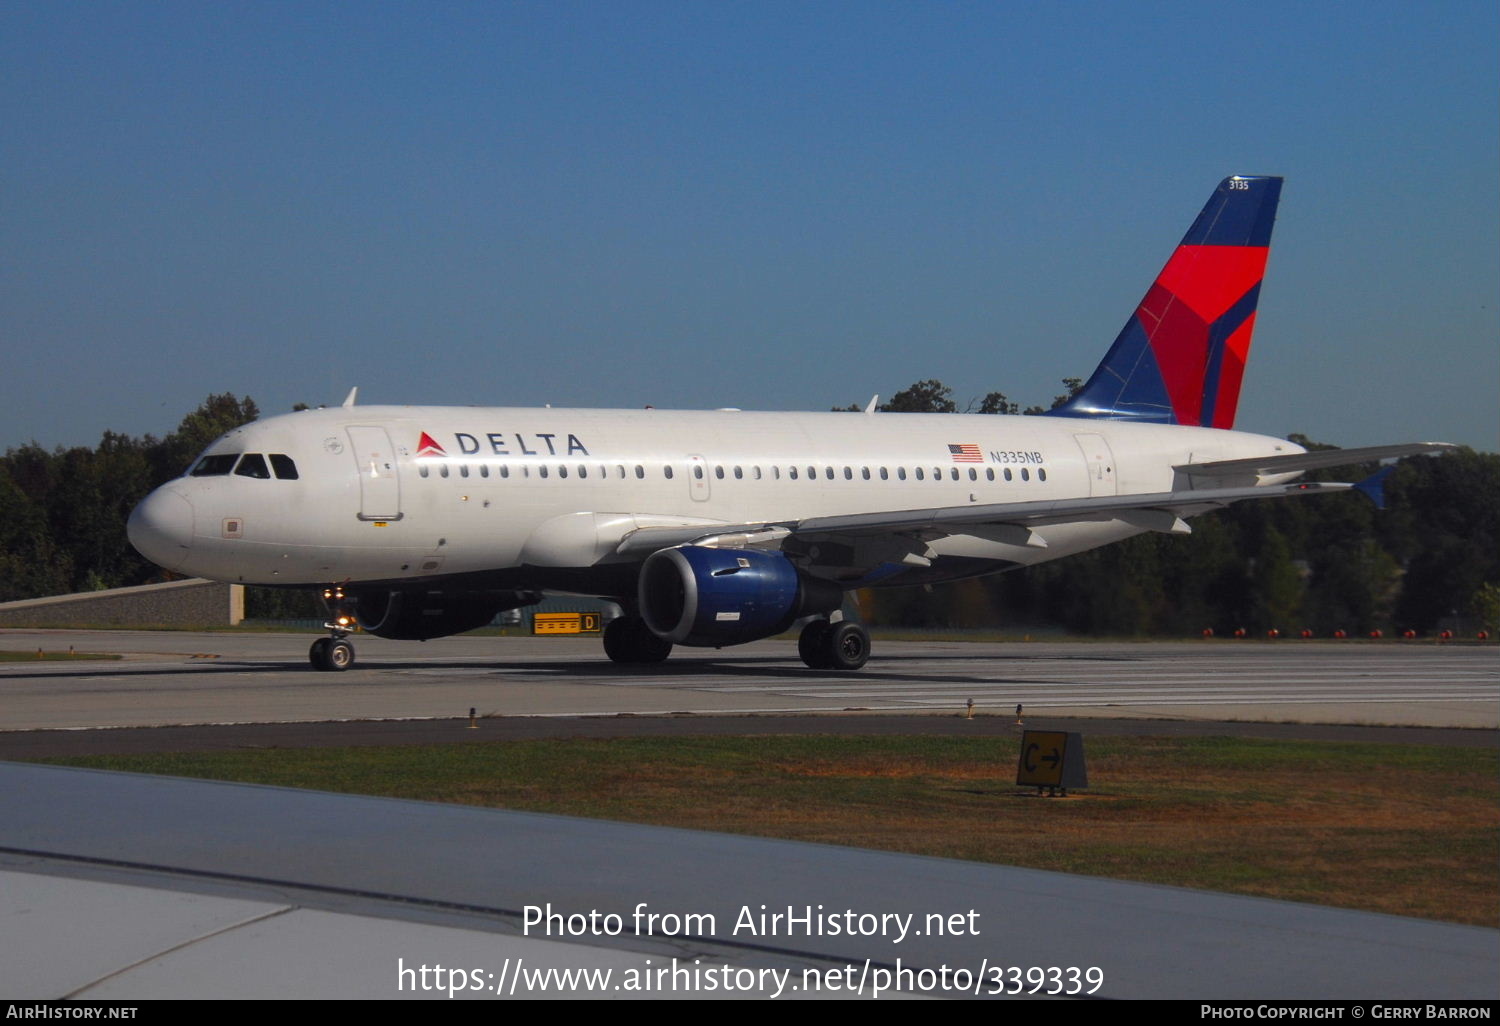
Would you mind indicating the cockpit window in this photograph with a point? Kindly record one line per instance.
(284, 467)
(213, 466)
(253, 464)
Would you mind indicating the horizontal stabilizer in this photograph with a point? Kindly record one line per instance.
(1374, 485)
(1292, 462)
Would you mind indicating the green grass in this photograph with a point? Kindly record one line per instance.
(1405, 829)
(32, 656)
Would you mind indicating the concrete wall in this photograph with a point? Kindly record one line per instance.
(190, 603)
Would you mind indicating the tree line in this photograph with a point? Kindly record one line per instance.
(1430, 560)
(1333, 562)
(63, 510)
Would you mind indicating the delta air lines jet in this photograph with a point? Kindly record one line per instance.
(719, 528)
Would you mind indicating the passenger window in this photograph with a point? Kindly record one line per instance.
(640, 471)
(775, 473)
(885, 475)
(865, 473)
(739, 473)
(1007, 473)
(973, 474)
(667, 470)
(505, 470)
(954, 472)
(849, 474)
(697, 473)
(919, 473)
(463, 471)
(1025, 474)
(719, 473)
(562, 471)
(1041, 475)
(792, 473)
(443, 470)
(285, 469)
(423, 470)
(214, 466)
(828, 473)
(484, 470)
(542, 470)
(989, 473)
(756, 469)
(901, 473)
(582, 470)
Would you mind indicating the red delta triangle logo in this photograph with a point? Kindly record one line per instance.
(427, 447)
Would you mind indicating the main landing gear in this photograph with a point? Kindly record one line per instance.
(334, 653)
(834, 646)
(627, 639)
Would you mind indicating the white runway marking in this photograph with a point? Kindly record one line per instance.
(266, 679)
(1102, 682)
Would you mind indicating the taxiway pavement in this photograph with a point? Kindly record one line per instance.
(180, 678)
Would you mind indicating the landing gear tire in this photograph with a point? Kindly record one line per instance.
(834, 646)
(627, 639)
(331, 654)
(812, 644)
(848, 646)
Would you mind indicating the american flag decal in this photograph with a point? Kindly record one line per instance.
(966, 452)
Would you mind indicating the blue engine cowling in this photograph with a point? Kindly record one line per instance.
(691, 595)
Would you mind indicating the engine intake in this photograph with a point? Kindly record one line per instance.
(418, 615)
(692, 595)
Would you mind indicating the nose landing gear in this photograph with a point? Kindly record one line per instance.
(331, 653)
(334, 653)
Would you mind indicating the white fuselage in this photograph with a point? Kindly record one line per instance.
(395, 494)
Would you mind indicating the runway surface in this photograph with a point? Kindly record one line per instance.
(132, 886)
(169, 678)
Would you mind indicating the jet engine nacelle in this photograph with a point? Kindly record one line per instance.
(412, 615)
(693, 595)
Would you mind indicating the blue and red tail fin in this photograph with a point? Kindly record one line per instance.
(1181, 356)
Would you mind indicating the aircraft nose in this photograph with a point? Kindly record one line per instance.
(161, 527)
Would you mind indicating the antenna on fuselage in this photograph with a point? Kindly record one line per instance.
(353, 394)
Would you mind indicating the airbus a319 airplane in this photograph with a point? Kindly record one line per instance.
(724, 527)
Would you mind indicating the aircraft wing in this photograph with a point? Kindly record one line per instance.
(1161, 511)
(1320, 458)
(954, 519)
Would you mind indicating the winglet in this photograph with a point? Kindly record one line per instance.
(1181, 356)
(873, 400)
(353, 394)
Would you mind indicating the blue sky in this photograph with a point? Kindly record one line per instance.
(763, 205)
